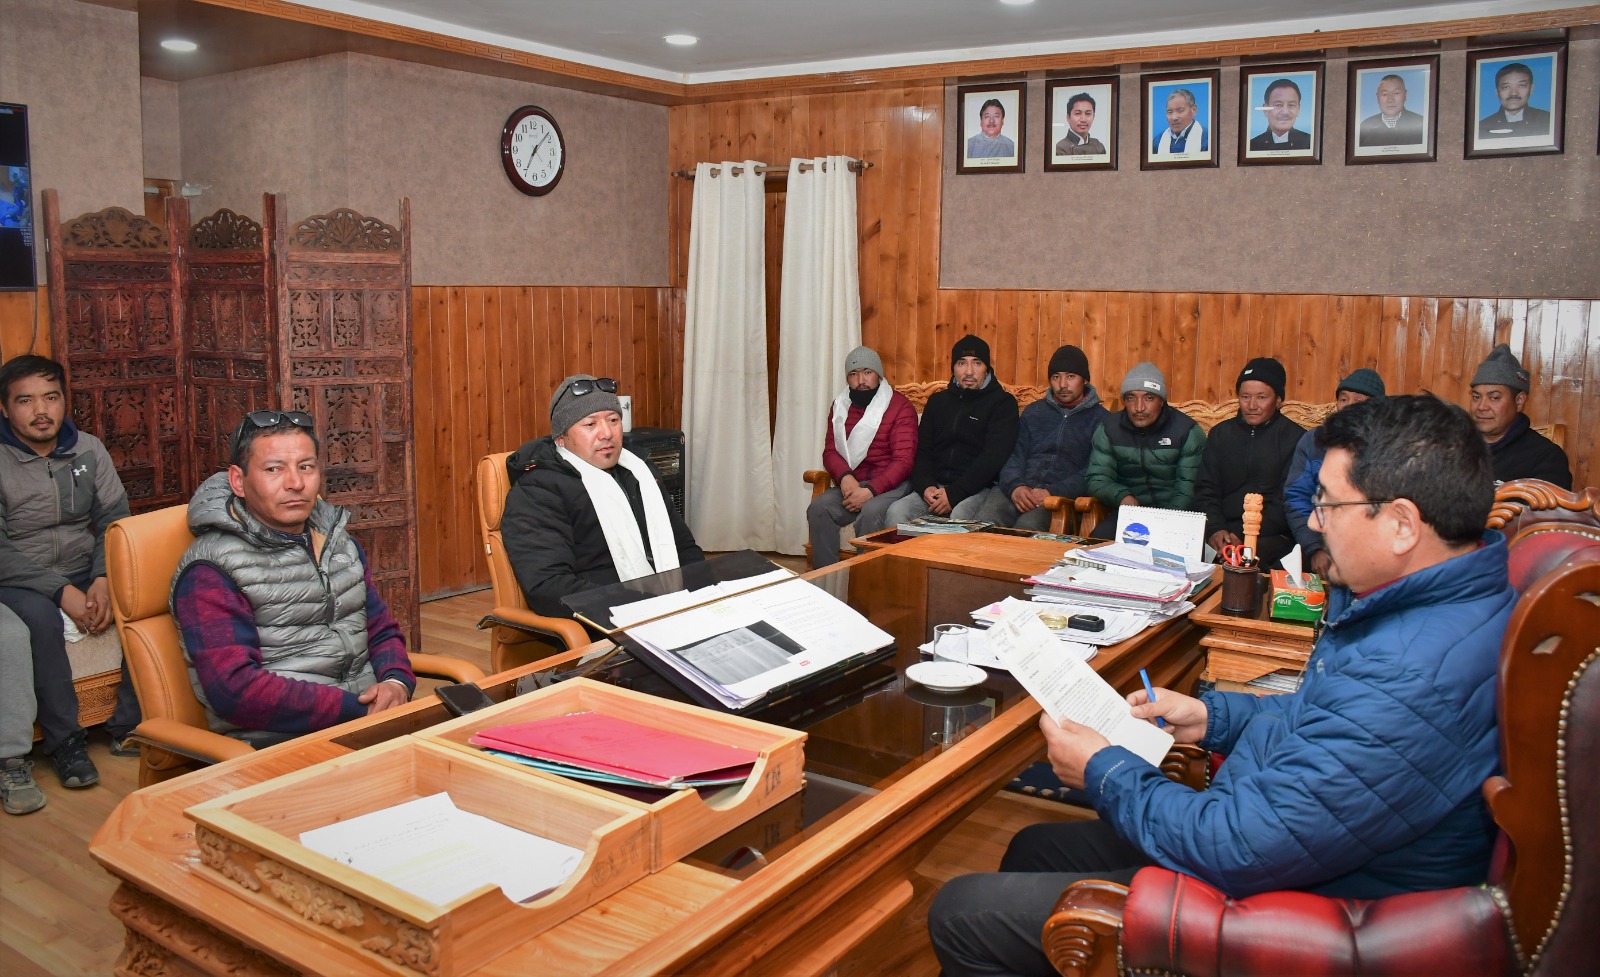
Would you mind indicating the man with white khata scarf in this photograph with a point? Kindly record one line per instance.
(584, 511)
(869, 448)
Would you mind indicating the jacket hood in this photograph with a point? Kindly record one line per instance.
(66, 439)
(990, 385)
(215, 508)
(1091, 400)
(538, 453)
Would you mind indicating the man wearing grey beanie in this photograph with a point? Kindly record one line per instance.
(583, 510)
(1300, 484)
(1499, 392)
(1146, 454)
(868, 450)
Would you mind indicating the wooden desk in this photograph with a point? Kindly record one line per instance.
(1242, 648)
(835, 865)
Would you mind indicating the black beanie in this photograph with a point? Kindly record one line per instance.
(1265, 369)
(1069, 359)
(970, 345)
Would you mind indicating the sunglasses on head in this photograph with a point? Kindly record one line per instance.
(605, 385)
(258, 419)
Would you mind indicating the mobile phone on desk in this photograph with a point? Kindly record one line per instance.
(463, 698)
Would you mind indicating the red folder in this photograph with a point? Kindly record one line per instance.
(617, 746)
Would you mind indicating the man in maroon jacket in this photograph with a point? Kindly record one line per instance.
(870, 445)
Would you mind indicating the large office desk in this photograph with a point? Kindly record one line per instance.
(889, 771)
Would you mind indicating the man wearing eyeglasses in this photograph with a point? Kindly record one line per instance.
(583, 510)
(1364, 783)
(282, 626)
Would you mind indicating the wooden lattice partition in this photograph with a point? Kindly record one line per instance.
(116, 316)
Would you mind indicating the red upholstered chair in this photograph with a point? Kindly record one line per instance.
(1542, 906)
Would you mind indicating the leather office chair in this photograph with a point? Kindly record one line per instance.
(142, 553)
(1543, 901)
(517, 634)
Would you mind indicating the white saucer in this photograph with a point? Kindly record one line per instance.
(946, 676)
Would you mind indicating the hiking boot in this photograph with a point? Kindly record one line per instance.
(18, 793)
(72, 763)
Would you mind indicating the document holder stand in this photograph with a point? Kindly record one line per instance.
(593, 607)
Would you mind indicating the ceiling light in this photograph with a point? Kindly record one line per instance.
(175, 44)
(681, 40)
(1016, 3)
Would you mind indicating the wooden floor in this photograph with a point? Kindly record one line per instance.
(53, 897)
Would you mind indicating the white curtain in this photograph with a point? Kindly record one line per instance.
(819, 322)
(725, 411)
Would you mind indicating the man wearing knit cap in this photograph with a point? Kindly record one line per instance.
(1147, 453)
(1300, 484)
(870, 444)
(967, 433)
(1247, 453)
(1499, 392)
(1052, 449)
(584, 511)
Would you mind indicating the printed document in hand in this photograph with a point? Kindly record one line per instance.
(438, 852)
(1067, 688)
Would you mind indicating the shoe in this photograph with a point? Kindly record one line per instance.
(123, 746)
(72, 763)
(18, 793)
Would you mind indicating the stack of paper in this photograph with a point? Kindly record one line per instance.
(934, 525)
(1152, 591)
(1120, 623)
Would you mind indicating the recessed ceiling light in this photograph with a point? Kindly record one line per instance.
(1016, 3)
(681, 40)
(175, 44)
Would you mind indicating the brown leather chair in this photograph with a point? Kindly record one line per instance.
(517, 635)
(142, 554)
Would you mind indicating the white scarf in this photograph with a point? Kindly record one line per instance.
(616, 516)
(854, 448)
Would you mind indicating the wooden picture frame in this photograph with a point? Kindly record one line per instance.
(978, 151)
(1280, 114)
(1413, 136)
(1493, 77)
(1067, 100)
(1193, 97)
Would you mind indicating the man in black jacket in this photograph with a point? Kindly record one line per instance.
(1250, 452)
(1499, 391)
(584, 511)
(968, 430)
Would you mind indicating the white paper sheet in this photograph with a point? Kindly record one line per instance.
(1121, 623)
(627, 615)
(1066, 687)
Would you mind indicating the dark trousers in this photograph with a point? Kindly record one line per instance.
(992, 923)
(53, 693)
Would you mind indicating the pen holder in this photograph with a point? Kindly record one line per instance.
(1241, 590)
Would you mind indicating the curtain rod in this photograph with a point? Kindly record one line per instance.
(856, 165)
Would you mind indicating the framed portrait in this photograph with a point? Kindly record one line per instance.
(991, 128)
(1082, 114)
(1280, 114)
(1178, 121)
(1394, 110)
(1516, 100)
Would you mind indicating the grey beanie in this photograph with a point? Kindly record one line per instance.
(1363, 381)
(863, 358)
(567, 410)
(1502, 367)
(1147, 377)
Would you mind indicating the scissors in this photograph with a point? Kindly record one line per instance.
(1237, 555)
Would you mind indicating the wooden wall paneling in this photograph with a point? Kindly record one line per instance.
(494, 406)
(927, 116)
(426, 364)
(1563, 370)
(1314, 359)
(1203, 361)
(25, 322)
(116, 323)
(1583, 431)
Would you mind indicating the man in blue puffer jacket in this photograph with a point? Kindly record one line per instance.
(1364, 783)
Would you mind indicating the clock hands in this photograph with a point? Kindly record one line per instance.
(534, 152)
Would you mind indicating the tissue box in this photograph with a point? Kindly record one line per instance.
(1297, 603)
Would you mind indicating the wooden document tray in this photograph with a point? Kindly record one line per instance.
(681, 821)
(249, 840)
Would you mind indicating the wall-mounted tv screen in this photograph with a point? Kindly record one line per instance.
(16, 199)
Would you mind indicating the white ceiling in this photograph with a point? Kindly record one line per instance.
(764, 38)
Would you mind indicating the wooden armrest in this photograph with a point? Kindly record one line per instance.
(1080, 937)
(569, 632)
(189, 741)
(1188, 765)
(1062, 516)
(1091, 512)
(820, 481)
(438, 666)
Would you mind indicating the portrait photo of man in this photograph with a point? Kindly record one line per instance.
(1394, 101)
(1082, 114)
(1281, 114)
(1514, 100)
(991, 129)
(1179, 116)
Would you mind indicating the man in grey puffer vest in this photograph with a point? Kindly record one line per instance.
(283, 629)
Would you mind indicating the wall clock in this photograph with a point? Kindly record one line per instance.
(532, 150)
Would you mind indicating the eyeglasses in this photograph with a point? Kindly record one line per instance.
(258, 419)
(605, 385)
(1317, 505)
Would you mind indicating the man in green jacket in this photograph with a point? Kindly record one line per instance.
(1147, 453)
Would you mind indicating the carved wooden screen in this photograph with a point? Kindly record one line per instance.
(229, 332)
(344, 356)
(116, 321)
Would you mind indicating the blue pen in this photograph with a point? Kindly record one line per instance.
(1150, 691)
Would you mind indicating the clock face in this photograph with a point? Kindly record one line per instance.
(532, 150)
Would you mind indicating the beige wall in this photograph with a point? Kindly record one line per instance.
(163, 151)
(358, 131)
(1525, 226)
